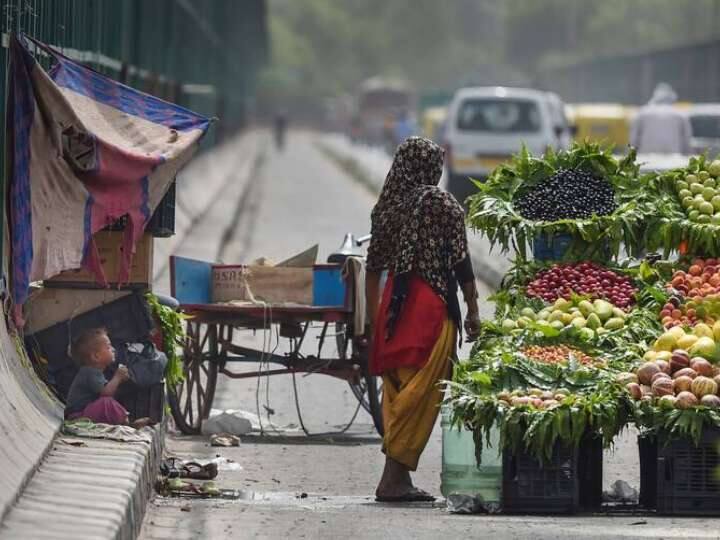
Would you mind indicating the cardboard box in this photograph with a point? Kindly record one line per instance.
(271, 284)
(109, 248)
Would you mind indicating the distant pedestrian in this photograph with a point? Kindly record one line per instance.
(405, 127)
(659, 128)
(419, 237)
(280, 123)
(91, 395)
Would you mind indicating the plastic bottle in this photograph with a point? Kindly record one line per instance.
(460, 473)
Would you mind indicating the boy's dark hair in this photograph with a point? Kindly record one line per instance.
(84, 345)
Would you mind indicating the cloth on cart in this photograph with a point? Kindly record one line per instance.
(355, 267)
(412, 398)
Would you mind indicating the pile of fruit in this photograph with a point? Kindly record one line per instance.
(681, 383)
(701, 280)
(556, 354)
(699, 194)
(534, 397)
(700, 340)
(584, 278)
(573, 323)
(568, 194)
(677, 312)
(591, 319)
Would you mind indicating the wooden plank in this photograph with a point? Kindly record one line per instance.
(252, 316)
(190, 280)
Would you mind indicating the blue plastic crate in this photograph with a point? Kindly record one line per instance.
(329, 287)
(551, 248)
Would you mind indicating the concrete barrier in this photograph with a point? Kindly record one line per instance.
(29, 419)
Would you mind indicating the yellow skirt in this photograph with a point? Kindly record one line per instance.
(411, 401)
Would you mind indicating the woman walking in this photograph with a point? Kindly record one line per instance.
(419, 237)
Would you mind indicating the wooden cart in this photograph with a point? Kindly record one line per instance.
(211, 346)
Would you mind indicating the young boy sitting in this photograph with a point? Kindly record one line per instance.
(91, 395)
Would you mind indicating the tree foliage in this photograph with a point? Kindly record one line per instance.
(326, 47)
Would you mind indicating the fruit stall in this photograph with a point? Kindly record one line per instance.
(591, 335)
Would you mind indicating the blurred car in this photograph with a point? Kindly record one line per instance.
(607, 123)
(486, 125)
(433, 122)
(705, 122)
(379, 102)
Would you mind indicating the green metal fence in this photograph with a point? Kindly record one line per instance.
(203, 54)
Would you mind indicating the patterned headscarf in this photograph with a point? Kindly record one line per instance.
(416, 226)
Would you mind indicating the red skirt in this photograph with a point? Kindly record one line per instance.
(417, 328)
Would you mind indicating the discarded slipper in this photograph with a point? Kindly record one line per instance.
(224, 439)
(194, 470)
(174, 467)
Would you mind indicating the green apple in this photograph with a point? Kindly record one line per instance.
(716, 202)
(684, 193)
(693, 215)
(696, 188)
(715, 220)
(703, 219)
(703, 175)
(681, 184)
(714, 168)
(710, 182)
(706, 208)
(687, 202)
(691, 179)
(708, 193)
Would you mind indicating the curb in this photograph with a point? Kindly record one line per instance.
(88, 488)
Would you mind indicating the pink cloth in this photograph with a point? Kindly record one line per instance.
(104, 410)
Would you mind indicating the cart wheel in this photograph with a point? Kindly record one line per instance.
(368, 389)
(191, 400)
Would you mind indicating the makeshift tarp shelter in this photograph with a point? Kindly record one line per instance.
(84, 151)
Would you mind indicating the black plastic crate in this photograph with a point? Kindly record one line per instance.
(127, 320)
(143, 402)
(648, 453)
(570, 482)
(688, 481)
(162, 222)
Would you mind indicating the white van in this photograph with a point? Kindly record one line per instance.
(486, 125)
(705, 122)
